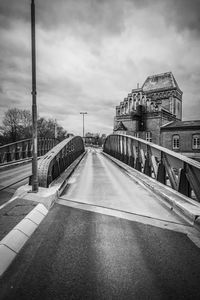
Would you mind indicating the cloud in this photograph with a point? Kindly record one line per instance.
(92, 53)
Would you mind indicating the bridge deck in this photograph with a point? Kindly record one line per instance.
(98, 181)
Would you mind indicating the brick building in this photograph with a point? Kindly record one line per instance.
(154, 113)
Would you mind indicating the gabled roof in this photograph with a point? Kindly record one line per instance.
(120, 127)
(182, 125)
(162, 81)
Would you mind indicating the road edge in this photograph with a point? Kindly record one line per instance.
(13, 242)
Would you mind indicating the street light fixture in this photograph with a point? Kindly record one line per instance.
(83, 113)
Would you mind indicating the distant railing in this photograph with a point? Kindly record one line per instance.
(166, 166)
(23, 149)
(58, 159)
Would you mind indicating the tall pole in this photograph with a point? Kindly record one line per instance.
(34, 103)
(56, 135)
(83, 113)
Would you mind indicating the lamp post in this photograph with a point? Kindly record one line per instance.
(83, 113)
(56, 134)
(34, 103)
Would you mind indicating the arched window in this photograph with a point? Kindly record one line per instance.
(176, 142)
(196, 141)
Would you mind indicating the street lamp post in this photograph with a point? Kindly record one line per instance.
(56, 133)
(83, 113)
(34, 103)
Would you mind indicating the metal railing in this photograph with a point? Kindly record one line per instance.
(23, 149)
(162, 164)
(58, 159)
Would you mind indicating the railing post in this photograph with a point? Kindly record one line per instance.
(147, 164)
(138, 165)
(30, 148)
(118, 147)
(183, 183)
(161, 173)
(8, 154)
(131, 157)
(127, 152)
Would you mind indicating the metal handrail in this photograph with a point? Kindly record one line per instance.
(58, 159)
(164, 165)
(23, 149)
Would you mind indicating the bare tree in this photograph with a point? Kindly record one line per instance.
(46, 128)
(11, 122)
(17, 125)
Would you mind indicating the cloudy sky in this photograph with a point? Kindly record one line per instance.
(92, 53)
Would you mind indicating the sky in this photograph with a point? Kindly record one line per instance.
(92, 53)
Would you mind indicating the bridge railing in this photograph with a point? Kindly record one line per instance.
(51, 165)
(162, 164)
(23, 149)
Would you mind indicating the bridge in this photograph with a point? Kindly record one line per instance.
(118, 222)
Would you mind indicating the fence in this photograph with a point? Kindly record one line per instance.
(58, 159)
(166, 166)
(23, 149)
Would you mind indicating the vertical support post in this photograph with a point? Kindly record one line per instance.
(131, 160)
(161, 173)
(183, 183)
(138, 165)
(83, 113)
(126, 149)
(147, 164)
(34, 103)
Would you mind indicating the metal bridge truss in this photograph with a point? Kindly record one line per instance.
(164, 165)
(23, 149)
(58, 159)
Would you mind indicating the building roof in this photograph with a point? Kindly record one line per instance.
(182, 125)
(120, 127)
(160, 82)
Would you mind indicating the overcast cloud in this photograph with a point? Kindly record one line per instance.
(92, 53)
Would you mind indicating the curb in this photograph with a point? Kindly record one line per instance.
(188, 208)
(13, 242)
(48, 196)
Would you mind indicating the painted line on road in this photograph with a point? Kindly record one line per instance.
(12, 199)
(8, 202)
(122, 214)
(188, 230)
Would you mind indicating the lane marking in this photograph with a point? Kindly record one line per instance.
(62, 201)
(187, 229)
(9, 201)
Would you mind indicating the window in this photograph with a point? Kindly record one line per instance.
(136, 134)
(176, 142)
(148, 136)
(196, 141)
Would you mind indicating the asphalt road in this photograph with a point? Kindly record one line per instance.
(10, 176)
(11, 213)
(81, 254)
(98, 181)
(76, 254)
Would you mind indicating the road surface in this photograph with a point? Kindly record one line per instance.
(85, 249)
(10, 176)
